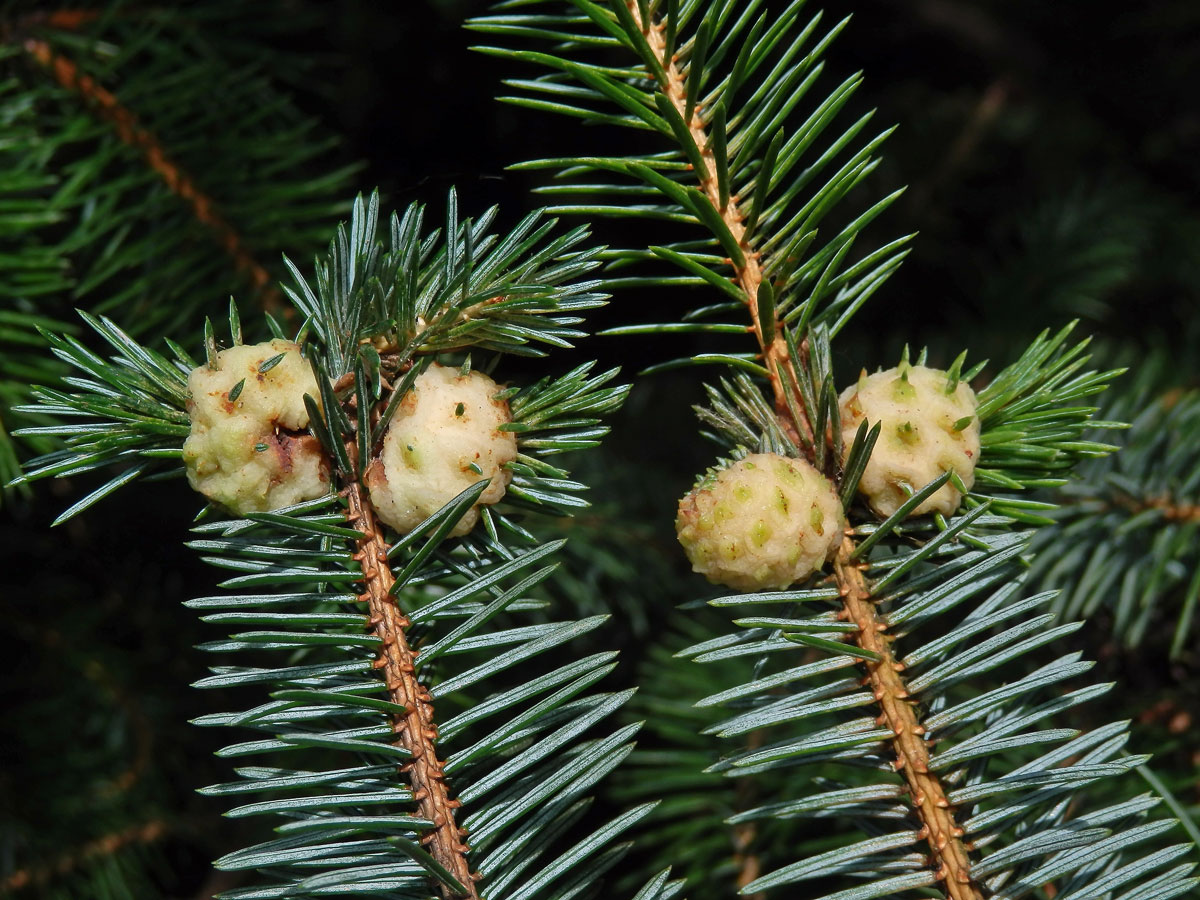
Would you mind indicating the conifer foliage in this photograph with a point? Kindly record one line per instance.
(150, 167)
(1130, 522)
(907, 714)
(354, 638)
(954, 784)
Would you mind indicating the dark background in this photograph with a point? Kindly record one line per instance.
(1052, 153)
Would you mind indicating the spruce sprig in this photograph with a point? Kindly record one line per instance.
(733, 147)
(453, 289)
(1123, 539)
(982, 758)
(355, 634)
(718, 91)
(521, 752)
(131, 409)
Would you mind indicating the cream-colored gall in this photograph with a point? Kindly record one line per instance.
(443, 438)
(929, 426)
(765, 522)
(246, 449)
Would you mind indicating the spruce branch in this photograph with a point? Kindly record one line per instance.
(892, 579)
(926, 791)
(747, 274)
(1018, 826)
(724, 101)
(130, 131)
(1122, 544)
(125, 182)
(521, 752)
(415, 725)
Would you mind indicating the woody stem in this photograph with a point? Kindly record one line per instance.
(415, 728)
(899, 715)
(747, 275)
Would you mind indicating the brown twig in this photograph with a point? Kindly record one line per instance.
(415, 728)
(129, 130)
(1172, 511)
(748, 864)
(1168, 710)
(748, 275)
(146, 833)
(884, 677)
(62, 19)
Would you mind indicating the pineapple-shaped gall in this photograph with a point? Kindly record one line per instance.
(247, 449)
(443, 438)
(929, 426)
(765, 522)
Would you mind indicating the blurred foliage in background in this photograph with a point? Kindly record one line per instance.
(1051, 152)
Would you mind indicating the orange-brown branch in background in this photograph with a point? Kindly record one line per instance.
(1172, 511)
(415, 728)
(62, 19)
(749, 275)
(927, 794)
(67, 74)
(104, 846)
